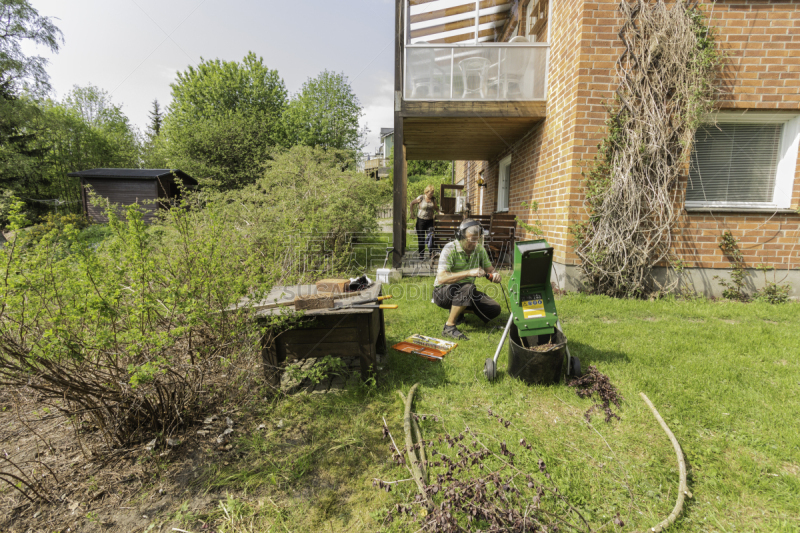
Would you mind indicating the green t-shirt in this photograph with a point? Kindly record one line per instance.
(454, 259)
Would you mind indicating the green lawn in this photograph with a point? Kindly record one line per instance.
(725, 376)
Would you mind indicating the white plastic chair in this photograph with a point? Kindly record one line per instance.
(423, 72)
(509, 72)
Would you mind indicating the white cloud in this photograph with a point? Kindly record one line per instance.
(379, 111)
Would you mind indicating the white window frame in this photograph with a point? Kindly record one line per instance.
(787, 159)
(502, 203)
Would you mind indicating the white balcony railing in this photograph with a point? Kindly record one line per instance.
(376, 163)
(484, 71)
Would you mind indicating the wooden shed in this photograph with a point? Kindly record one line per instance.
(126, 186)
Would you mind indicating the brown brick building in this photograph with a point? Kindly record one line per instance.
(532, 144)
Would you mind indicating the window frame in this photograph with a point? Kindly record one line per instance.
(504, 163)
(785, 167)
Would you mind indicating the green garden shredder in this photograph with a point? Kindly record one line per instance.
(537, 345)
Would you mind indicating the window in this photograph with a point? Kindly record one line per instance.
(503, 183)
(744, 161)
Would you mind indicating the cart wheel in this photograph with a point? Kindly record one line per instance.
(490, 369)
(575, 367)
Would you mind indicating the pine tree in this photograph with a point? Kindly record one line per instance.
(156, 119)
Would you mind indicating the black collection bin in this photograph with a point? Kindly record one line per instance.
(535, 367)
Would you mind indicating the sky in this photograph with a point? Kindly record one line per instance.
(134, 48)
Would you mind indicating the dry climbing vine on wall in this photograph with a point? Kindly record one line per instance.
(667, 77)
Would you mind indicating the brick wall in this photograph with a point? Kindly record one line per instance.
(762, 41)
(542, 162)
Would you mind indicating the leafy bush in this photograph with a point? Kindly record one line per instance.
(129, 333)
(55, 222)
(304, 213)
(772, 291)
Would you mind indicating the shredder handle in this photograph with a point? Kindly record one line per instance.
(503, 340)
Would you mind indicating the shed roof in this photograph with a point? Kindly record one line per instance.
(134, 174)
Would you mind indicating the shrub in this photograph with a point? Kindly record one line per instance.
(130, 333)
(304, 213)
(54, 221)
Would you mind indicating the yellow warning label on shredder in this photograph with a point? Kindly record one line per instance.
(533, 308)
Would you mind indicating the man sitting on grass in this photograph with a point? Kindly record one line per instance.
(460, 262)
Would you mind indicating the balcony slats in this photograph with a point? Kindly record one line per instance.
(464, 37)
(439, 19)
(451, 26)
(458, 10)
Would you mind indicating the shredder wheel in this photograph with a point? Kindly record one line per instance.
(490, 369)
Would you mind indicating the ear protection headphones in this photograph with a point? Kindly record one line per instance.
(461, 232)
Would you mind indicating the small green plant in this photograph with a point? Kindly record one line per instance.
(535, 227)
(52, 221)
(772, 291)
(324, 368)
(91, 516)
(733, 289)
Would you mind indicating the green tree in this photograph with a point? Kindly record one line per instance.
(152, 146)
(20, 22)
(304, 201)
(227, 152)
(325, 113)
(20, 156)
(156, 119)
(424, 167)
(94, 106)
(223, 119)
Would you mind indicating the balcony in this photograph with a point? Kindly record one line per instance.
(374, 164)
(468, 89)
(488, 72)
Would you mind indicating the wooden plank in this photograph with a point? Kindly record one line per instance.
(457, 10)
(335, 349)
(345, 318)
(312, 336)
(465, 37)
(452, 26)
(421, 2)
(455, 108)
(463, 138)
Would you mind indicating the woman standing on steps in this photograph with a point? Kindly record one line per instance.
(425, 213)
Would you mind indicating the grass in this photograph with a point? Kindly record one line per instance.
(725, 376)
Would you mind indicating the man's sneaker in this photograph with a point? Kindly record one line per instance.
(452, 332)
